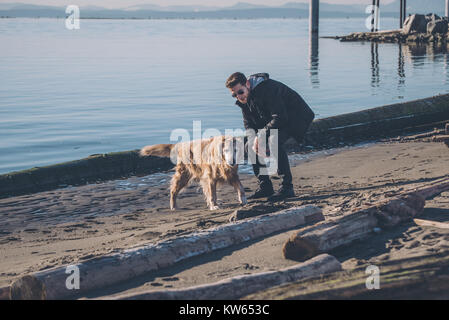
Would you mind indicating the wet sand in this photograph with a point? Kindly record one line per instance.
(72, 224)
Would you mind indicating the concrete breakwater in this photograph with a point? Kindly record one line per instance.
(417, 28)
(394, 36)
(380, 122)
(351, 127)
(95, 168)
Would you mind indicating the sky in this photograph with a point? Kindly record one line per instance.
(218, 3)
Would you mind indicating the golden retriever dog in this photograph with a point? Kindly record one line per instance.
(209, 161)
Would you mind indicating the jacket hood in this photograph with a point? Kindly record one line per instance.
(257, 79)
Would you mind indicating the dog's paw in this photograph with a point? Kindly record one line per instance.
(214, 208)
(243, 201)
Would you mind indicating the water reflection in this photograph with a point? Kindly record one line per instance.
(446, 66)
(314, 60)
(375, 79)
(401, 67)
(415, 54)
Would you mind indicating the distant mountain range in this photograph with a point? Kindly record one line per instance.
(240, 10)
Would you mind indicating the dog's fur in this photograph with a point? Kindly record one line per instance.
(209, 161)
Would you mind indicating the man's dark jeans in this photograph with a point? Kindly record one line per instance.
(283, 164)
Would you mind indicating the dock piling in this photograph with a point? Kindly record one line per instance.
(403, 12)
(447, 8)
(314, 16)
(377, 15)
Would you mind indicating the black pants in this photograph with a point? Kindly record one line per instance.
(283, 169)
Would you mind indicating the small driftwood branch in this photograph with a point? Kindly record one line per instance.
(444, 138)
(111, 269)
(428, 223)
(441, 138)
(437, 135)
(422, 135)
(240, 286)
(358, 225)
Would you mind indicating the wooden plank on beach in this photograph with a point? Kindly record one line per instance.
(428, 223)
(114, 268)
(240, 286)
(359, 225)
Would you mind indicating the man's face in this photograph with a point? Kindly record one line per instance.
(241, 92)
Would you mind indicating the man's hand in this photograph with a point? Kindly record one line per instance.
(257, 150)
(256, 145)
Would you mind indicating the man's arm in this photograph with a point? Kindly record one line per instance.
(275, 104)
(247, 122)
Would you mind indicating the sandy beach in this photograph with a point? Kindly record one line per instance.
(73, 224)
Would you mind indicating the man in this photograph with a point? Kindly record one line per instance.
(269, 104)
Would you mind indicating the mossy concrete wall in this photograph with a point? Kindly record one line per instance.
(379, 122)
(93, 169)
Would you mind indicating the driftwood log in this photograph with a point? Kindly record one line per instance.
(240, 286)
(111, 269)
(358, 225)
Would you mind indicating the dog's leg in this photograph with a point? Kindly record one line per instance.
(213, 189)
(240, 191)
(208, 190)
(180, 179)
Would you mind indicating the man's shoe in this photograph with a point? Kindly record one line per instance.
(263, 191)
(282, 193)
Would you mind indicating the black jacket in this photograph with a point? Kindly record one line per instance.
(273, 105)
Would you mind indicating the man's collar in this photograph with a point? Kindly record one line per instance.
(239, 104)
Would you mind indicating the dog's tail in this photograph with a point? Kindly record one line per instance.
(159, 150)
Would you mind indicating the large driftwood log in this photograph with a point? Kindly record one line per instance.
(110, 269)
(358, 225)
(240, 286)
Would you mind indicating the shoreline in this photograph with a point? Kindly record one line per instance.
(346, 129)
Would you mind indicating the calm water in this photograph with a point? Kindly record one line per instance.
(117, 85)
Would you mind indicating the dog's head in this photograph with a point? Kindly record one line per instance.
(233, 150)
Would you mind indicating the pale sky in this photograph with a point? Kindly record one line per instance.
(218, 3)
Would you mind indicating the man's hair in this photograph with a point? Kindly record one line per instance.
(234, 79)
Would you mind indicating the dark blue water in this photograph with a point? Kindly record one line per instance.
(118, 85)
